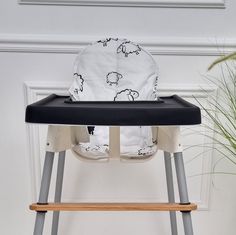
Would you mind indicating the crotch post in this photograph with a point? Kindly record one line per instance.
(114, 142)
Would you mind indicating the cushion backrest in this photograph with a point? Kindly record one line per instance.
(114, 69)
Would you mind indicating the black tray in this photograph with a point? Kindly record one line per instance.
(55, 109)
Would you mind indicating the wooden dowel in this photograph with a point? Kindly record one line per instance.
(113, 207)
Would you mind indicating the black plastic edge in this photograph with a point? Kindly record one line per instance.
(30, 109)
(43, 204)
(185, 203)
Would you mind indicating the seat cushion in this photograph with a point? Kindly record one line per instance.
(135, 143)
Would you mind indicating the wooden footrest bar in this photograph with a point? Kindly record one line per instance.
(113, 207)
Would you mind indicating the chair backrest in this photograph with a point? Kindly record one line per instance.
(114, 69)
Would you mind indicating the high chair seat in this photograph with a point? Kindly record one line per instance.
(113, 111)
(169, 111)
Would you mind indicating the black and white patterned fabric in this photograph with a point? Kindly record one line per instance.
(115, 69)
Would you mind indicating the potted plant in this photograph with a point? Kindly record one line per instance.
(221, 110)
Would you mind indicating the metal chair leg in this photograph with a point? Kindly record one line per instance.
(170, 190)
(58, 191)
(44, 190)
(183, 192)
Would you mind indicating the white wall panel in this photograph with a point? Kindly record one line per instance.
(112, 182)
(38, 45)
(113, 21)
(200, 190)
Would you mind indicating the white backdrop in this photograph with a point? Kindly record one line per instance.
(38, 45)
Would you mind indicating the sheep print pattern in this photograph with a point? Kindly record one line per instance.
(115, 69)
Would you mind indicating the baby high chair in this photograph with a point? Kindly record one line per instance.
(113, 112)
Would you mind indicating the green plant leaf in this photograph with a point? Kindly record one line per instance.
(224, 58)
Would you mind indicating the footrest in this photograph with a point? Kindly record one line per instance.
(113, 207)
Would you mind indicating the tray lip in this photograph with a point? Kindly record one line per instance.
(74, 103)
(113, 102)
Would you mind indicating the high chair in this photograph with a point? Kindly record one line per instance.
(113, 112)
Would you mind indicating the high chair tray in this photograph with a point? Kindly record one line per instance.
(55, 109)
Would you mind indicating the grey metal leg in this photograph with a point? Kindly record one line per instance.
(170, 190)
(44, 190)
(59, 181)
(183, 191)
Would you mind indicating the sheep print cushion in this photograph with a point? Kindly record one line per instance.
(115, 70)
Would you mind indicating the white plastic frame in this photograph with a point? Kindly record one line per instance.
(61, 138)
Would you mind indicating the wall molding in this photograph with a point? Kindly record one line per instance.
(157, 46)
(130, 3)
(35, 91)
